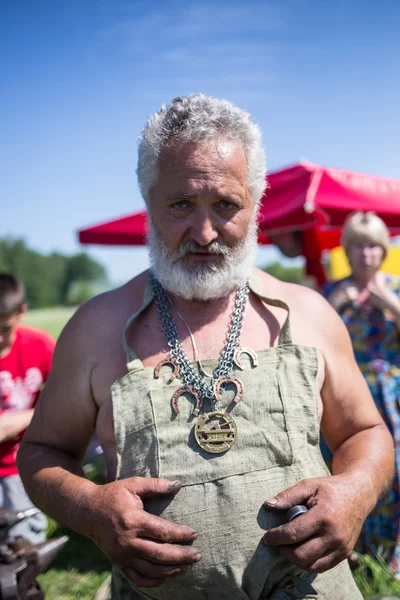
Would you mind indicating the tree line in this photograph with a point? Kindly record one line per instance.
(290, 274)
(53, 279)
(57, 279)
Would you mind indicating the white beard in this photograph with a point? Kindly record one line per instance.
(202, 281)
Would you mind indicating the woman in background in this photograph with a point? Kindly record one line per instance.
(369, 303)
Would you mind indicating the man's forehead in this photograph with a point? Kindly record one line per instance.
(186, 153)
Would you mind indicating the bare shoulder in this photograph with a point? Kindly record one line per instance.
(313, 320)
(104, 316)
(89, 345)
(347, 403)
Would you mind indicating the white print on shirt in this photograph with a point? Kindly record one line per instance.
(18, 394)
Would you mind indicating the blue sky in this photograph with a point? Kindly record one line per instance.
(79, 78)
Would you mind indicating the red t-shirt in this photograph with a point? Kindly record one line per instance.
(22, 373)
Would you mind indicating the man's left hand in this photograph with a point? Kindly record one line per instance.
(324, 536)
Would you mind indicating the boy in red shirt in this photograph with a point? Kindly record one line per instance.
(25, 363)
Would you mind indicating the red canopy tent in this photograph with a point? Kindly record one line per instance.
(126, 231)
(306, 199)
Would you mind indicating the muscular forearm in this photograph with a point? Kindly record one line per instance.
(11, 424)
(367, 458)
(56, 484)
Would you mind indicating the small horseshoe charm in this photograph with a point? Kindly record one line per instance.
(251, 353)
(187, 389)
(228, 379)
(162, 363)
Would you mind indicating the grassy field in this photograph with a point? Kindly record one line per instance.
(77, 572)
(51, 320)
(80, 569)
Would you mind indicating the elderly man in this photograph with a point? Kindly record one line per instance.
(208, 411)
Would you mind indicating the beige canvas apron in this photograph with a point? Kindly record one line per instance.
(222, 495)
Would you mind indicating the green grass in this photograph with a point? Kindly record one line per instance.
(80, 568)
(374, 578)
(51, 320)
(70, 584)
(77, 571)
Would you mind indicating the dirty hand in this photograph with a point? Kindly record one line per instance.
(146, 548)
(324, 536)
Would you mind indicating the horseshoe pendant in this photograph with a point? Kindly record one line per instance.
(228, 379)
(187, 389)
(251, 353)
(162, 363)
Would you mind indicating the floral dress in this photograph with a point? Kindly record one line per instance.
(376, 343)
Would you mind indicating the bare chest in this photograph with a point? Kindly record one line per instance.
(201, 339)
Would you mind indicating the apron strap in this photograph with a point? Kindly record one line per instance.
(285, 335)
(134, 363)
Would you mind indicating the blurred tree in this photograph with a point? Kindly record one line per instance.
(57, 268)
(290, 274)
(80, 267)
(47, 279)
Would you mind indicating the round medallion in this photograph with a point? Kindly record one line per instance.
(215, 432)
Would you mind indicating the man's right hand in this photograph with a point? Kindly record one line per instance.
(146, 548)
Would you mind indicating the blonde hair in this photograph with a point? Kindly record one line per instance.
(365, 227)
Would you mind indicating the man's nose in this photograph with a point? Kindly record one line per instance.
(203, 229)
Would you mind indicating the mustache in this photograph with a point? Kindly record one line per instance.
(192, 247)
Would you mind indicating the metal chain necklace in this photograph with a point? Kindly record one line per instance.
(216, 431)
(195, 351)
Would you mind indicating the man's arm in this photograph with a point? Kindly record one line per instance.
(363, 459)
(11, 424)
(147, 548)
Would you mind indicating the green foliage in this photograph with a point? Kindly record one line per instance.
(81, 291)
(62, 584)
(82, 267)
(290, 274)
(373, 577)
(47, 279)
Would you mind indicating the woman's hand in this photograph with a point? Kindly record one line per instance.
(381, 296)
(343, 293)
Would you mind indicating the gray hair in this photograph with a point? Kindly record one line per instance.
(196, 118)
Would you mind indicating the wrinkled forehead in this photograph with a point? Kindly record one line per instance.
(181, 154)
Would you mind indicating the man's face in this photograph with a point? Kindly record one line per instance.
(201, 196)
(202, 221)
(7, 330)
